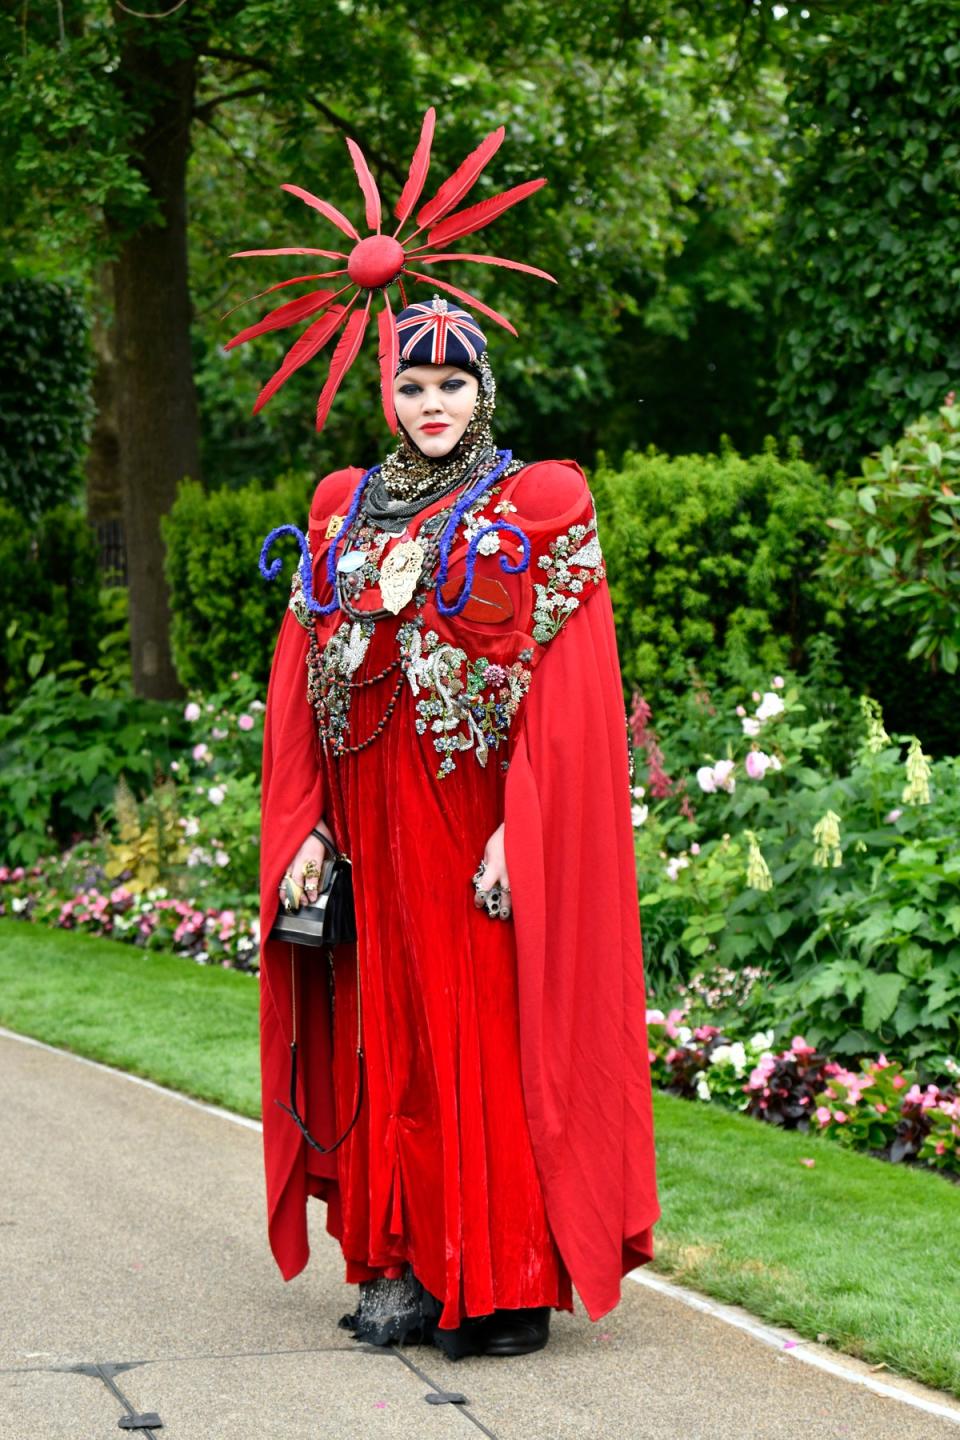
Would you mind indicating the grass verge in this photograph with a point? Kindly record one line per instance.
(863, 1253)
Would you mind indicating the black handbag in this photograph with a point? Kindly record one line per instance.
(329, 920)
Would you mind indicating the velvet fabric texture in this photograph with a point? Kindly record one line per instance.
(505, 1145)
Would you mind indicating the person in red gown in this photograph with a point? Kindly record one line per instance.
(454, 722)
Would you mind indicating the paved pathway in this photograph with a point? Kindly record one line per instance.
(135, 1277)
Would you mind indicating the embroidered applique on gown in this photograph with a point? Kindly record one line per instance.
(506, 1061)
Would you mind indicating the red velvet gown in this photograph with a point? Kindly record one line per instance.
(505, 1141)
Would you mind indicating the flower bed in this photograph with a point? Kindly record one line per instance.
(880, 1108)
(152, 919)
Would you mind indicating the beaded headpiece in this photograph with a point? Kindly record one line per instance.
(377, 261)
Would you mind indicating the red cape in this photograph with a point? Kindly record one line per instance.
(569, 849)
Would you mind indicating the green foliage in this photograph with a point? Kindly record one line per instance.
(711, 561)
(45, 401)
(50, 603)
(870, 300)
(842, 885)
(897, 538)
(225, 615)
(62, 752)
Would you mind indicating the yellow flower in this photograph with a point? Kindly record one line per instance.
(758, 871)
(877, 737)
(826, 835)
(917, 789)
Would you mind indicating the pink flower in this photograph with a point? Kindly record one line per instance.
(892, 817)
(757, 764)
(245, 722)
(706, 779)
(751, 726)
(880, 1108)
(805, 1159)
(694, 848)
(898, 1082)
(723, 773)
(192, 712)
(778, 682)
(706, 1032)
(200, 753)
(840, 1117)
(822, 1115)
(940, 1148)
(741, 711)
(671, 1023)
(799, 1046)
(882, 1062)
(756, 695)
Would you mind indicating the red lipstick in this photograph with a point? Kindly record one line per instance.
(434, 427)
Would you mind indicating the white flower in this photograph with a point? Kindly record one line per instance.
(723, 774)
(192, 711)
(489, 544)
(778, 682)
(769, 706)
(757, 764)
(638, 792)
(734, 1055)
(216, 794)
(684, 1034)
(18, 905)
(762, 1040)
(191, 827)
(638, 814)
(703, 1089)
(222, 858)
(655, 1017)
(751, 726)
(675, 865)
(706, 779)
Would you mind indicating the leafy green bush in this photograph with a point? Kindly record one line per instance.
(712, 562)
(45, 398)
(869, 304)
(897, 537)
(843, 885)
(225, 616)
(62, 752)
(50, 604)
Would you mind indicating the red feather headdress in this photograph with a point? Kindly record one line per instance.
(377, 261)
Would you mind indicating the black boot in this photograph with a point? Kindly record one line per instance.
(516, 1332)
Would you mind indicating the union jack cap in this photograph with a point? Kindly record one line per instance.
(439, 334)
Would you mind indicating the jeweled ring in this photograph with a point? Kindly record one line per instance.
(290, 893)
(311, 880)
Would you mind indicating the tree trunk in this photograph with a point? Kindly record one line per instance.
(156, 399)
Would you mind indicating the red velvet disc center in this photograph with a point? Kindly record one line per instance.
(376, 261)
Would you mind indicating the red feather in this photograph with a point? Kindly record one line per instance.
(343, 357)
(289, 314)
(463, 295)
(367, 184)
(428, 259)
(464, 223)
(290, 250)
(330, 211)
(452, 191)
(419, 166)
(280, 285)
(313, 339)
(389, 355)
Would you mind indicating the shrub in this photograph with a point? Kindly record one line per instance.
(844, 886)
(225, 617)
(50, 609)
(712, 562)
(62, 752)
(896, 545)
(45, 399)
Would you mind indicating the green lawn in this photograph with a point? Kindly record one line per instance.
(865, 1253)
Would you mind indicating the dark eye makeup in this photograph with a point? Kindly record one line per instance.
(452, 384)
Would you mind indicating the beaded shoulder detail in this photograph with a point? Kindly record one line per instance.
(573, 562)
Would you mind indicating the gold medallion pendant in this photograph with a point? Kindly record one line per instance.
(399, 574)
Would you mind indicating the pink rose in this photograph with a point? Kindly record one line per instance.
(245, 722)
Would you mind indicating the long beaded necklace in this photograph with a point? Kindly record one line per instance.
(329, 694)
